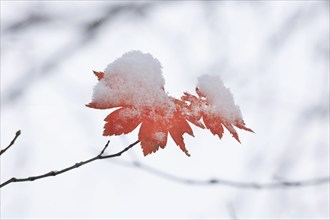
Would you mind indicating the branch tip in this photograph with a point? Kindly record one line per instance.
(18, 133)
(76, 165)
(105, 147)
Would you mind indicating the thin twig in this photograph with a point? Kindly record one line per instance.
(18, 133)
(229, 183)
(105, 147)
(76, 165)
(171, 177)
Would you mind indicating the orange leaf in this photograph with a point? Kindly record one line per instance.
(99, 75)
(157, 120)
(121, 121)
(232, 130)
(214, 124)
(178, 128)
(241, 125)
(193, 111)
(152, 134)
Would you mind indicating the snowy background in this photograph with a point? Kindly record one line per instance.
(274, 56)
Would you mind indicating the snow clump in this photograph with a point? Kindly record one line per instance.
(220, 99)
(134, 79)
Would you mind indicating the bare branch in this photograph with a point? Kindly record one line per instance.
(76, 165)
(223, 182)
(105, 147)
(230, 183)
(18, 133)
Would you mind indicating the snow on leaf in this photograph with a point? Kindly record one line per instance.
(135, 84)
(217, 106)
(193, 109)
(219, 98)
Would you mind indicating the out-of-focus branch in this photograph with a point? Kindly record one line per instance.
(86, 34)
(230, 183)
(100, 156)
(18, 133)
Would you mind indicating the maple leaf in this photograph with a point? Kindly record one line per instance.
(156, 123)
(200, 107)
(134, 84)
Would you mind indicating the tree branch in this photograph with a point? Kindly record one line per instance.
(169, 176)
(230, 183)
(18, 133)
(100, 156)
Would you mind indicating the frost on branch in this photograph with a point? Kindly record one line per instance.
(134, 82)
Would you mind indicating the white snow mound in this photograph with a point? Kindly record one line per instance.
(134, 79)
(219, 97)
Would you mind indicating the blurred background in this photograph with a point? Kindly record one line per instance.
(273, 55)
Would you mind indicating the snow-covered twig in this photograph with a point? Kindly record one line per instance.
(100, 156)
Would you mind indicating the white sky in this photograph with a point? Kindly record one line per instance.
(274, 57)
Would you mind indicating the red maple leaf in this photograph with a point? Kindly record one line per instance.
(215, 122)
(155, 122)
